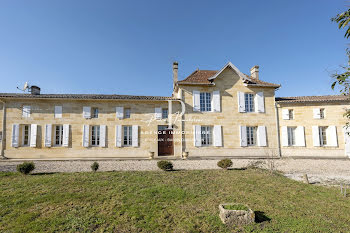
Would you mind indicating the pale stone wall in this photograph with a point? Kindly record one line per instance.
(1, 119)
(229, 83)
(43, 113)
(303, 116)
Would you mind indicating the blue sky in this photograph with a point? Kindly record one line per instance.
(127, 47)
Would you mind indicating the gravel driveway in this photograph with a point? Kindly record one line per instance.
(319, 171)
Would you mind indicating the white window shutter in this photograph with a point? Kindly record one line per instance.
(86, 135)
(331, 135)
(284, 132)
(300, 136)
(285, 114)
(317, 113)
(118, 136)
(135, 136)
(241, 102)
(87, 112)
(196, 101)
(103, 134)
(316, 135)
(197, 135)
(120, 112)
(217, 135)
(65, 135)
(33, 134)
(15, 135)
(58, 111)
(259, 102)
(158, 113)
(261, 136)
(48, 135)
(347, 140)
(216, 101)
(243, 135)
(26, 111)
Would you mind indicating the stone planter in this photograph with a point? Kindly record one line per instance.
(184, 155)
(151, 155)
(236, 217)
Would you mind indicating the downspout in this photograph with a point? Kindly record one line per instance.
(3, 139)
(278, 131)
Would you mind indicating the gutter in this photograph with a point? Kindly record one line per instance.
(278, 132)
(3, 143)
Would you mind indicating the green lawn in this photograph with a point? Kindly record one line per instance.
(178, 201)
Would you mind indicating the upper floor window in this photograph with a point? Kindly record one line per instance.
(127, 113)
(291, 136)
(58, 111)
(95, 135)
(58, 135)
(251, 135)
(127, 135)
(291, 114)
(26, 135)
(94, 113)
(323, 135)
(206, 135)
(26, 111)
(205, 101)
(164, 113)
(322, 113)
(249, 102)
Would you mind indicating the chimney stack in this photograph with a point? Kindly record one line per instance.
(35, 90)
(254, 72)
(175, 68)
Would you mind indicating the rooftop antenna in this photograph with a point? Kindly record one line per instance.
(25, 87)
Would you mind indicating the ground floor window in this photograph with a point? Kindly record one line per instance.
(26, 135)
(95, 135)
(323, 135)
(251, 135)
(127, 135)
(58, 135)
(291, 136)
(206, 135)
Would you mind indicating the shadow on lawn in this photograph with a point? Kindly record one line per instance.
(261, 217)
(43, 173)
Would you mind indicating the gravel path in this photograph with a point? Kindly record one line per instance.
(319, 171)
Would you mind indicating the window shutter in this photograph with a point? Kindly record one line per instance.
(103, 133)
(284, 131)
(243, 135)
(196, 101)
(331, 135)
(241, 102)
(217, 135)
(317, 113)
(120, 112)
(216, 101)
(26, 111)
(33, 134)
(347, 140)
(135, 135)
(48, 135)
(316, 135)
(58, 111)
(261, 136)
(118, 136)
(259, 102)
(15, 135)
(197, 135)
(300, 136)
(86, 134)
(158, 113)
(65, 135)
(87, 112)
(285, 114)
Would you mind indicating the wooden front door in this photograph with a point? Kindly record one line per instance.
(165, 141)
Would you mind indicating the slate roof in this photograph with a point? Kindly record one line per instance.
(306, 99)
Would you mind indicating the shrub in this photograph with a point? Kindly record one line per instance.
(25, 168)
(225, 163)
(95, 166)
(165, 165)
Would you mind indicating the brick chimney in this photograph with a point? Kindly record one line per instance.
(35, 90)
(175, 68)
(254, 72)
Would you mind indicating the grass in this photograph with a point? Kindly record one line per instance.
(236, 207)
(179, 201)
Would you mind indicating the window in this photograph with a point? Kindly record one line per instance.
(94, 113)
(58, 135)
(206, 135)
(251, 135)
(26, 111)
(322, 113)
(26, 135)
(323, 135)
(291, 136)
(205, 102)
(127, 113)
(164, 113)
(95, 135)
(291, 114)
(249, 102)
(127, 135)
